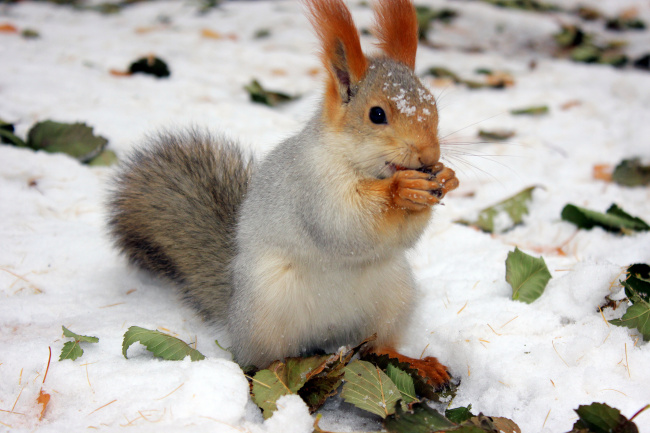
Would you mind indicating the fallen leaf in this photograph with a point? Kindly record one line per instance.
(74, 139)
(370, 389)
(44, 399)
(161, 345)
(496, 135)
(210, 34)
(614, 219)
(422, 419)
(261, 95)
(602, 172)
(527, 275)
(601, 418)
(531, 111)
(72, 349)
(8, 28)
(150, 65)
(630, 172)
(504, 215)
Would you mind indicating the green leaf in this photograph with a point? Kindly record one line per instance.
(601, 418)
(72, 349)
(527, 275)
(76, 140)
(637, 316)
(530, 111)
(459, 414)
(105, 158)
(368, 388)
(630, 172)
(497, 135)
(314, 379)
(261, 95)
(638, 281)
(422, 419)
(505, 215)
(637, 289)
(161, 345)
(7, 135)
(404, 383)
(150, 65)
(289, 377)
(614, 220)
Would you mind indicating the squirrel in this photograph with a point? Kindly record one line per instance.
(304, 251)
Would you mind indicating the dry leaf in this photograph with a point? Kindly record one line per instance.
(44, 399)
(603, 172)
(8, 28)
(118, 73)
(210, 34)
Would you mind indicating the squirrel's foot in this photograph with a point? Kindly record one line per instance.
(429, 368)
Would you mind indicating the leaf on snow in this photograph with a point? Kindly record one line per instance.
(160, 344)
(504, 215)
(637, 289)
(71, 349)
(370, 389)
(261, 95)
(614, 220)
(76, 140)
(527, 275)
(530, 111)
(7, 135)
(630, 172)
(43, 398)
(422, 419)
(150, 65)
(601, 418)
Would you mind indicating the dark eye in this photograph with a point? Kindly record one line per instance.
(378, 116)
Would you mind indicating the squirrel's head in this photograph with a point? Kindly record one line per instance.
(386, 117)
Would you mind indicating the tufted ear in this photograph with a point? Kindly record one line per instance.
(340, 48)
(396, 27)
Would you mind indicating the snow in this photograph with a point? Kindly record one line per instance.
(531, 363)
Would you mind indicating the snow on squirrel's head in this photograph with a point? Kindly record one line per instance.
(378, 102)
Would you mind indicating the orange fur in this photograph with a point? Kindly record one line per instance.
(428, 368)
(333, 24)
(397, 30)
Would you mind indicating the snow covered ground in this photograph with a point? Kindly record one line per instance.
(531, 363)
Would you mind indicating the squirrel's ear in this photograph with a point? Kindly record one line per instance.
(397, 30)
(340, 47)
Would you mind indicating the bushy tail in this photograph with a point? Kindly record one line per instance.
(174, 210)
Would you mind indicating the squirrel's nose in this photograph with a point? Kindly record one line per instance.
(429, 153)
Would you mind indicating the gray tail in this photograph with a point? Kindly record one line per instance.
(173, 212)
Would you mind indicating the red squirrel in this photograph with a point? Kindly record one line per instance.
(306, 249)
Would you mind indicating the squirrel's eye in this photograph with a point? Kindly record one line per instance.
(378, 116)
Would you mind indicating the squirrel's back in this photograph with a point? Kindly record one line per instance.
(174, 210)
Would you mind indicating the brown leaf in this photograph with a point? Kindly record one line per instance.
(8, 28)
(603, 172)
(44, 399)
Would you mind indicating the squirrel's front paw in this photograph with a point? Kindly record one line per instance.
(417, 190)
(445, 177)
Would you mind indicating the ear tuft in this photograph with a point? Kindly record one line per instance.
(397, 30)
(340, 45)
